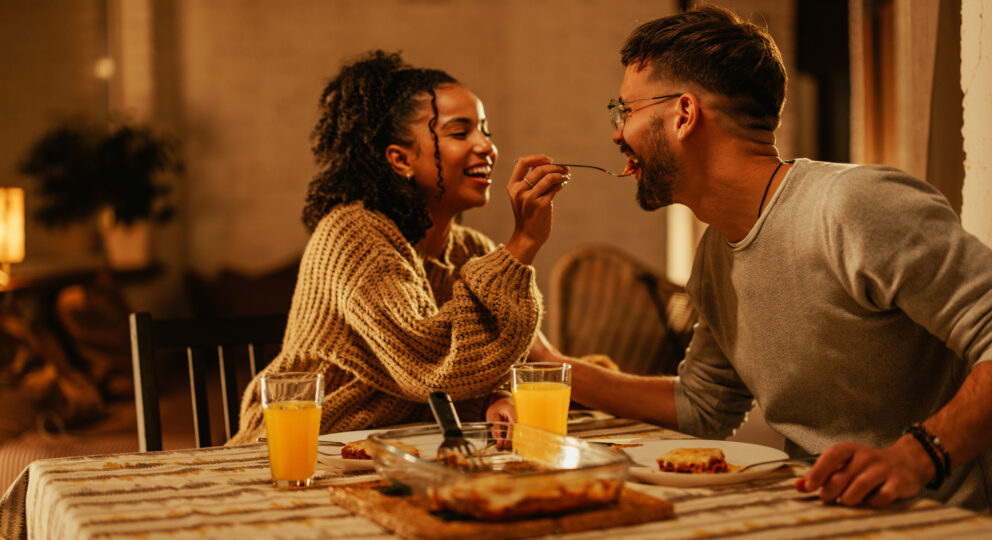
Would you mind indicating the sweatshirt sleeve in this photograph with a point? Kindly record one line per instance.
(912, 254)
(462, 347)
(711, 401)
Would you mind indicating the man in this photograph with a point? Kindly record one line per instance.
(846, 300)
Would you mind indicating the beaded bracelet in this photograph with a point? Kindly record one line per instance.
(933, 447)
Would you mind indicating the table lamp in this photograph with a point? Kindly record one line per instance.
(11, 231)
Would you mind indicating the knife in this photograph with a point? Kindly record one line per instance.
(597, 425)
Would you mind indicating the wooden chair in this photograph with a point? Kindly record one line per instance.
(604, 301)
(203, 340)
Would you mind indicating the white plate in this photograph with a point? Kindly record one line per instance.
(581, 416)
(344, 437)
(737, 453)
(338, 462)
(330, 456)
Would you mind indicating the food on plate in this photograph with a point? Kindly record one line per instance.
(363, 449)
(452, 458)
(495, 498)
(621, 446)
(493, 463)
(694, 460)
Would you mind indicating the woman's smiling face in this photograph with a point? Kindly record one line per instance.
(467, 153)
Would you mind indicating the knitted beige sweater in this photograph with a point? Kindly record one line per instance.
(387, 326)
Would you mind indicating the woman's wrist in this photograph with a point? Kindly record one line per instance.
(523, 249)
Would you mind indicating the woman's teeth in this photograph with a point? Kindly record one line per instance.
(480, 171)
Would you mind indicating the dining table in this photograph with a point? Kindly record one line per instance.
(226, 492)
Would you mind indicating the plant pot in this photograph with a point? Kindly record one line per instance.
(125, 247)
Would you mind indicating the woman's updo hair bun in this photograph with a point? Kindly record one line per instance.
(369, 105)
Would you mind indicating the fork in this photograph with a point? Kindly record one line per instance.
(593, 167)
(806, 459)
(320, 442)
(451, 427)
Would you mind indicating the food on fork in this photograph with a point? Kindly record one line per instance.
(363, 449)
(631, 168)
(694, 460)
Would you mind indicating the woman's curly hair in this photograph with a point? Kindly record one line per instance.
(370, 105)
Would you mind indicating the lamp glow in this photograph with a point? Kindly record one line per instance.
(11, 231)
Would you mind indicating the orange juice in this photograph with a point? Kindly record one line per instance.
(543, 405)
(292, 428)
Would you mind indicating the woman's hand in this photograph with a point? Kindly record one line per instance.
(501, 410)
(533, 185)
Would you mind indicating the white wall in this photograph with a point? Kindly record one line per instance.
(252, 72)
(237, 81)
(544, 68)
(976, 83)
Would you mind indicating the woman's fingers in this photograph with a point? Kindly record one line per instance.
(532, 187)
(522, 166)
(544, 179)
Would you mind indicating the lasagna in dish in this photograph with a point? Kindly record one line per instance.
(694, 460)
(363, 449)
(498, 497)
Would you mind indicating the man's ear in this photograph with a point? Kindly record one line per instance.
(688, 115)
(400, 158)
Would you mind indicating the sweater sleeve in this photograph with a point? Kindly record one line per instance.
(462, 347)
(912, 254)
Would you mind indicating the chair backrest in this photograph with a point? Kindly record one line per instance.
(203, 341)
(605, 301)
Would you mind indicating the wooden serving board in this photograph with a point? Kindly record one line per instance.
(409, 517)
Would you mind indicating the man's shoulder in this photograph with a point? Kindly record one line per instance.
(857, 186)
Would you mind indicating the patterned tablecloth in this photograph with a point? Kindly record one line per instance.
(226, 493)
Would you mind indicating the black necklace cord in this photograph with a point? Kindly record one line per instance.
(769, 184)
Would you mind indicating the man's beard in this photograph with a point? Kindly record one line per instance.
(658, 171)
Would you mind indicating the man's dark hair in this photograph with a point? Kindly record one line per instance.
(368, 106)
(713, 48)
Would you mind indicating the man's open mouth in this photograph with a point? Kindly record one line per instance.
(633, 165)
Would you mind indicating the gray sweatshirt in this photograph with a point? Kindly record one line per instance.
(855, 306)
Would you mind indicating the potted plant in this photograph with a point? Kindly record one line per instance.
(113, 172)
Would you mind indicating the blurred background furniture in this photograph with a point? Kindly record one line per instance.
(251, 342)
(65, 359)
(605, 301)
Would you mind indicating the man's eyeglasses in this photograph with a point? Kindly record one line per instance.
(619, 110)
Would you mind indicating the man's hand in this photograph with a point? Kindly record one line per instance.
(852, 474)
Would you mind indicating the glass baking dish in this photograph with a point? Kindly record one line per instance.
(530, 472)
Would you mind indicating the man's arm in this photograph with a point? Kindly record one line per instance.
(651, 399)
(850, 473)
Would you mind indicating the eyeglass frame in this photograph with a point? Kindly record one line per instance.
(619, 119)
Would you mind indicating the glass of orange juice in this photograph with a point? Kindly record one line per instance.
(291, 407)
(541, 394)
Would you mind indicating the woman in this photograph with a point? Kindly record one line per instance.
(394, 299)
